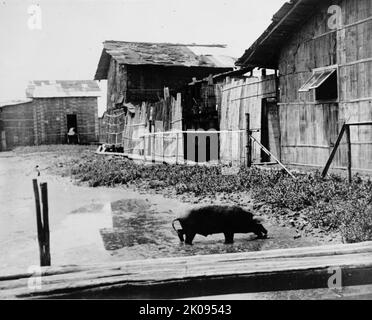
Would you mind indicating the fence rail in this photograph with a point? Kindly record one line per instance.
(188, 147)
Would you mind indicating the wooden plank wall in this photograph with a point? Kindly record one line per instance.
(51, 119)
(355, 67)
(135, 125)
(310, 128)
(168, 118)
(127, 129)
(274, 131)
(238, 98)
(307, 128)
(117, 82)
(17, 122)
(43, 121)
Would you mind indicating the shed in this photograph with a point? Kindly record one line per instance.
(147, 82)
(49, 111)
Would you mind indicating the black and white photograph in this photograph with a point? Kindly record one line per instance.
(186, 154)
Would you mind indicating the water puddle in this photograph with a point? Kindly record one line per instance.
(135, 222)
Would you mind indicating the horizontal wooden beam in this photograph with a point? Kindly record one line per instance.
(195, 276)
(365, 123)
(306, 146)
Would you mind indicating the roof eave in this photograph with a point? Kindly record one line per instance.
(103, 66)
(280, 20)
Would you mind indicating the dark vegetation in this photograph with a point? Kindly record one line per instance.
(330, 204)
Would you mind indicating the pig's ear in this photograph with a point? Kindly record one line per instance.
(258, 219)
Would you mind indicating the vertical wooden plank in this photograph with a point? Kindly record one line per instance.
(348, 141)
(3, 140)
(39, 224)
(46, 233)
(177, 142)
(249, 142)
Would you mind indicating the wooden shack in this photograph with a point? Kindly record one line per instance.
(16, 123)
(137, 75)
(322, 51)
(49, 111)
(138, 72)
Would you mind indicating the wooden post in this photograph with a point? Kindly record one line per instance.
(177, 142)
(163, 147)
(151, 138)
(46, 233)
(249, 142)
(333, 153)
(144, 148)
(39, 223)
(231, 145)
(153, 149)
(42, 223)
(348, 142)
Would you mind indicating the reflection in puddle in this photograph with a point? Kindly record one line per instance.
(94, 207)
(134, 223)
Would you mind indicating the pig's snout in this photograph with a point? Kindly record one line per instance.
(260, 231)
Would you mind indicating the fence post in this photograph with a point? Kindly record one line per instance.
(46, 233)
(232, 147)
(163, 147)
(249, 142)
(152, 142)
(39, 223)
(349, 164)
(42, 223)
(177, 141)
(144, 148)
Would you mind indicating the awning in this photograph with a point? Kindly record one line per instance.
(317, 79)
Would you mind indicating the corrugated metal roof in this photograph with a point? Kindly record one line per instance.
(164, 54)
(265, 51)
(62, 88)
(12, 102)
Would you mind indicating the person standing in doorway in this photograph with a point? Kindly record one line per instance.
(71, 136)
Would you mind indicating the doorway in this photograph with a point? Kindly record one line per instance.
(72, 122)
(72, 136)
(270, 129)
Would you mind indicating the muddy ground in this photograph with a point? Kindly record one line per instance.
(95, 225)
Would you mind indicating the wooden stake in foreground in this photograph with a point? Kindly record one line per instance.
(42, 223)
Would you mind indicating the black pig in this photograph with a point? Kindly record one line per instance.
(218, 219)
